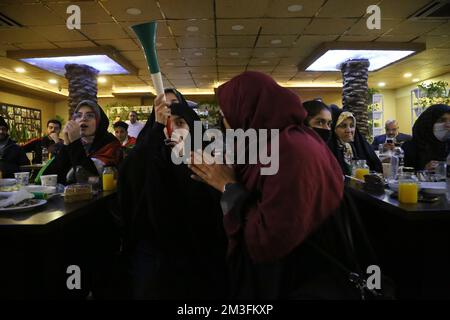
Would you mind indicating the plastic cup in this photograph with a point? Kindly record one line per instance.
(22, 178)
(49, 180)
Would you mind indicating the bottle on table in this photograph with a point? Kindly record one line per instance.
(361, 169)
(44, 155)
(109, 179)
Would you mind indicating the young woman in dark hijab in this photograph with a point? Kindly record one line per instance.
(431, 138)
(87, 143)
(348, 144)
(319, 118)
(173, 235)
(270, 218)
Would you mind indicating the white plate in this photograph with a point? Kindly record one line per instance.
(38, 203)
(393, 185)
(7, 182)
(434, 187)
(38, 188)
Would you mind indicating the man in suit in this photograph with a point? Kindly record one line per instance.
(392, 137)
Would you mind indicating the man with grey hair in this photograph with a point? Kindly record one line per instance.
(392, 137)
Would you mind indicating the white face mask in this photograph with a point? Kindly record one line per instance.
(440, 132)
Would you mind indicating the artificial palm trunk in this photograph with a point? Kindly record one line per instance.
(355, 74)
(82, 84)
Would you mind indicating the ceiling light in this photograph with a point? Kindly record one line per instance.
(234, 53)
(264, 61)
(192, 29)
(275, 41)
(378, 59)
(53, 81)
(19, 70)
(407, 75)
(134, 11)
(198, 54)
(415, 80)
(237, 27)
(295, 8)
(102, 63)
(101, 79)
(381, 84)
(330, 55)
(169, 64)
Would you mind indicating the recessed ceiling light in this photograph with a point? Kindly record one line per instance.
(19, 70)
(192, 29)
(275, 41)
(264, 61)
(134, 11)
(198, 54)
(381, 84)
(295, 8)
(53, 81)
(407, 75)
(331, 59)
(101, 62)
(101, 79)
(234, 53)
(415, 80)
(237, 27)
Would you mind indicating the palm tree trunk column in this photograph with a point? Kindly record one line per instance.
(82, 84)
(355, 74)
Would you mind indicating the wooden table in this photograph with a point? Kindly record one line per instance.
(411, 241)
(37, 247)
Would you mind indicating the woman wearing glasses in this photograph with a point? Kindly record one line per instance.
(87, 143)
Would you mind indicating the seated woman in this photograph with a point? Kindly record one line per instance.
(431, 138)
(87, 143)
(174, 240)
(319, 118)
(348, 144)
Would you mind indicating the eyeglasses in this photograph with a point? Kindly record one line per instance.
(87, 116)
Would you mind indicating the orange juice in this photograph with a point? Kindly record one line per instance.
(360, 173)
(108, 182)
(407, 192)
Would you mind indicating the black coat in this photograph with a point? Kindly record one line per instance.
(172, 225)
(12, 158)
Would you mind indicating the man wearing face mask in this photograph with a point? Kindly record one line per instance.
(431, 139)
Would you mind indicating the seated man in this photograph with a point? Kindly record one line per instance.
(87, 145)
(11, 156)
(51, 141)
(392, 138)
(121, 133)
(134, 125)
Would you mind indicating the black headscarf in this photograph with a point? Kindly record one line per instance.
(361, 148)
(102, 136)
(424, 146)
(179, 218)
(151, 119)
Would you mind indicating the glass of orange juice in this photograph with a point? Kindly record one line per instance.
(408, 188)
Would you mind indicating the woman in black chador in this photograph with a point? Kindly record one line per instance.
(174, 240)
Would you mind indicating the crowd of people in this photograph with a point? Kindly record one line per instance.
(209, 230)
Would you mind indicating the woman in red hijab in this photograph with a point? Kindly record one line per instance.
(270, 216)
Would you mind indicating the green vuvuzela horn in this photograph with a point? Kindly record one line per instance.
(146, 33)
